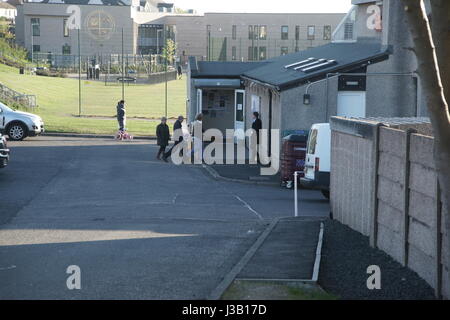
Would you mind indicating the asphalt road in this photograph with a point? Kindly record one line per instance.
(138, 228)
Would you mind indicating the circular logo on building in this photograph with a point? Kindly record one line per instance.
(100, 25)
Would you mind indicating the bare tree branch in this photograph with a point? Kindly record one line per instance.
(433, 89)
(440, 26)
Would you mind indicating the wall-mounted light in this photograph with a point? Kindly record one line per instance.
(306, 99)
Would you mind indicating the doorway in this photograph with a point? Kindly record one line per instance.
(239, 114)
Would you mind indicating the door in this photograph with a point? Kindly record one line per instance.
(351, 104)
(239, 114)
(199, 102)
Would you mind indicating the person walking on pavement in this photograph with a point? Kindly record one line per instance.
(163, 137)
(256, 125)
(121, 115)
(178, 125)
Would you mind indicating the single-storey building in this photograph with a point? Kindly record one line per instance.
(366, 71)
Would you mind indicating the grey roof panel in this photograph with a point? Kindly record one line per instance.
(276, 73)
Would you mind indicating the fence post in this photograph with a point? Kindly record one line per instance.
(376, 154)
(406, 196)
(439, 268)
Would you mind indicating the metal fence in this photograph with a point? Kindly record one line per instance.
(244, 49)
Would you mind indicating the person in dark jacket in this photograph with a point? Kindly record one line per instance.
(257, 125)
(163, 137)
(176, 126)
(121, 118)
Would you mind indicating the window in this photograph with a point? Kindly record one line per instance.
(233, 53)
(36, 27)
(262, 53)
(348, 31)
(36, 48)
(262, 32)
(284, 32)
(65, 28)
(311, 32)
(297, 32)
(250, 32)
(326, 32)
(284, 51)
(233, 32)
(66, 49)
(255, 32)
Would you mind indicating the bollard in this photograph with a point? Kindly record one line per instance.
(295, 194)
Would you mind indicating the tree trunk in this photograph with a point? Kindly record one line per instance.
(434, 88)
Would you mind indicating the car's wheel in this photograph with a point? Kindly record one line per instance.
(326, 193)
(17, 131)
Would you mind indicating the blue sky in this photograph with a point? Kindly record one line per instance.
(294, 6)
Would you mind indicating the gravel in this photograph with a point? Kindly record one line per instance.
(346, 254)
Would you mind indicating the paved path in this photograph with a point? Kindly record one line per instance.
(138, 228)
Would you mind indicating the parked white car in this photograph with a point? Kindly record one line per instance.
(317, 163)
(18, 124)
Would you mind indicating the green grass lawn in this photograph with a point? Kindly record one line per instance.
(58, 102)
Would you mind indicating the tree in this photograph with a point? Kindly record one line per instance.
(169, 51)
(431, 37)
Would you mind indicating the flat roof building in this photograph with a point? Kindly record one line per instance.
(44, 26)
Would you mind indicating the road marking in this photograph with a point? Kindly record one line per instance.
(249, 207)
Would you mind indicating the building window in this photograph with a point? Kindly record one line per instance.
(250, 32)
(262, 32)
(284, 32)
(36, 48)
(65, 28)
(297, 32)
(262, 53)
(233, 32)
(326, 32)
(284, 51)
(66, 49)
(233, 53)
(256, 32)
(348, 31)
(311, 32)
(36, 26)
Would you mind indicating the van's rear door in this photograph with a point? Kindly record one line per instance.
(310, 154)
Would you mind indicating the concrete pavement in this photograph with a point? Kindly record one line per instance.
(138, 228)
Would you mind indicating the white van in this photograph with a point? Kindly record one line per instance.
(317, 162)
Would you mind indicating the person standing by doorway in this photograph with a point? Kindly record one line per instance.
(178, 125)
(121, 115)
(256, 126)
(179, 72)
(163, 137)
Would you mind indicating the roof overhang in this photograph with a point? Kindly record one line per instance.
(217, 83)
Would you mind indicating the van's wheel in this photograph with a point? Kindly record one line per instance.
(326, 194)
(17, 131)
(3, 163)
